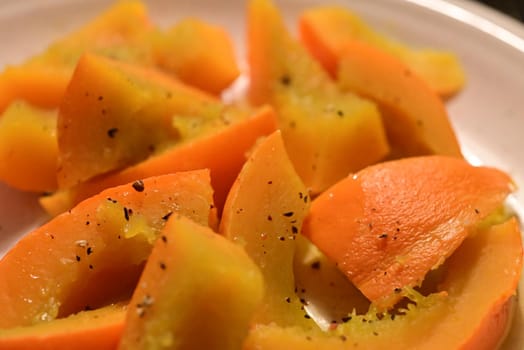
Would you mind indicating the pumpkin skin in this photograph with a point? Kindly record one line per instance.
(474, 297)
(93, 255)
(326, 30)
(415, 118)
(400, 219)
(90, 329)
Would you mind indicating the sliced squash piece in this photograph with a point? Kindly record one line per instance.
(28, 148)
(390, 224)
(114, 115)
(327, 133)
(124, 32)
(415, 118)
(263, 213)
(99, 329)
(93, 254)
(325, 31)
(198, 53)
(471, 311)
(118, 32)
(198, 291)
(211, 151)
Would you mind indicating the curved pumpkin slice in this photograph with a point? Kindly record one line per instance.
(114, 115)
(99, 329)
(43, 79)
(472, 311)
(213, 151)
(28, 148)
(198, 291)
(391, 223)
(415, 118)
(95, 252)
(264, 212)
(326, 30)
(327, 133)
(198, 53)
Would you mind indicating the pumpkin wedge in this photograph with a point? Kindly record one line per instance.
(114, 115)
(99, 329)
(28, 148)
(390, 224)
(198, 291)
(415, 118)
(471, 309)
(42, 79)
(263, 213)
(326, 30)
(197, 53)
(94, 253)
(125, 32)
(327, 133)
(213, 151)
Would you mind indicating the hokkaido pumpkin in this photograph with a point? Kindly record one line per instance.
(390, 224)
(415, 118)
(213, 151)
(327, 133)
(470, 310)
(198, 291)
(125, 32)
(326, 30)
(197, 53)
(28, 148)
(263, 213)
(114, 115)
(42, 79)
(99, 329)
(93, 254)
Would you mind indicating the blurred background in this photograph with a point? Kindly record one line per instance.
(514, 8)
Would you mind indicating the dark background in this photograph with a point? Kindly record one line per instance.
(514, 8)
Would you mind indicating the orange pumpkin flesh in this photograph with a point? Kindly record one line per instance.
(386, 228)
(93, 254)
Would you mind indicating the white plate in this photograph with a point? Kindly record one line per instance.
(488, 114)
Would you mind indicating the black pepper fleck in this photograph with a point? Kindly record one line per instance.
(89, 250)
(315, 265)
(112, 132)
(138, 185)
(288, 214)
(165, 217)
(285, 80)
